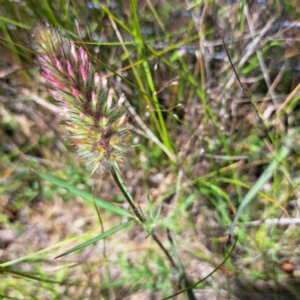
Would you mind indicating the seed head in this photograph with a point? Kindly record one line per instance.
(98, 126)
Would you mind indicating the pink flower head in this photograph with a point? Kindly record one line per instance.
(97, 125)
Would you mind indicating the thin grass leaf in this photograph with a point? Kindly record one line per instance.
(189, 291)
(210, 274)
(37, 255)
(267, 174)
(87, 196)
(97, 238)
(22, 25)
(26, 275)
(247, 186)
(150, 208)
(220, 192)
(158, 213)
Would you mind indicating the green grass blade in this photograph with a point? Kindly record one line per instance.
(87, 196)
(25, 275)
(39, 254)
(97, 238)
(18, 24)
(158, 213)
(267, 174)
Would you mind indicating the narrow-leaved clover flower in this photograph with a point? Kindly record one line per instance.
(98, 126)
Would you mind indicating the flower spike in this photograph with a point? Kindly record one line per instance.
(98, 127)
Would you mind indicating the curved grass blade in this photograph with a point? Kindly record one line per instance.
(97, 238)
(26, 275)
(266, 175)
(247, 186)
(211, 273)
(87, 196)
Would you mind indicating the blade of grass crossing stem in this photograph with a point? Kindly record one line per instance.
(267, 174)
(97, 238)
(87, 196)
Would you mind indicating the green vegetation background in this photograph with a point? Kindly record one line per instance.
(206, 153)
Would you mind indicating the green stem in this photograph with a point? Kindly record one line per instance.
(121, 185)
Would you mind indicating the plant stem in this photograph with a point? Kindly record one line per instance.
(121, 185)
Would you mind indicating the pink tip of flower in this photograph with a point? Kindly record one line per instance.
(73, 52)
(83, 56)
(57, 83)
(121, 100)
(70, 69)
(83, 73)
(46, 70)
(82, 116)
(94, 97)
(44, 59)
(54, 94)
(51, 79)
(104, 82)
(97, 78)
(109, 98)
(121, 121)
(75, 92)
(58, 65)
(65, 103)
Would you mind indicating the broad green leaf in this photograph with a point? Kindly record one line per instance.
(97, 238)
(87, 196)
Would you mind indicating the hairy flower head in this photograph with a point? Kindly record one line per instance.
(98, 126)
